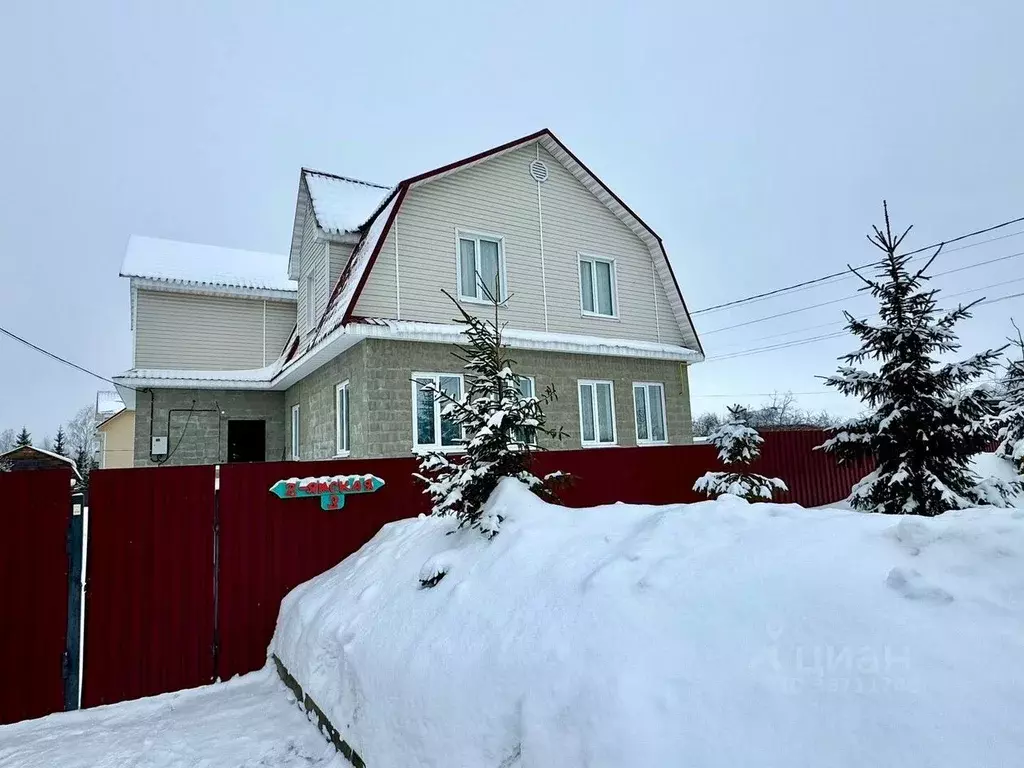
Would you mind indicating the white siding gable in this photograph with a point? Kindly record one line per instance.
(498, 196)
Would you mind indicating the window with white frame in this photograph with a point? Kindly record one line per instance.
(310, 301)
(527, 389)
(295, 432)
(649, 409)
(597, 413)
(432, 431)
(341, 417)
(597, 286)
(481, 267)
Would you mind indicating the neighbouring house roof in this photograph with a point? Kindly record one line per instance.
(346, 292)
(103, 424)
(30, 457)
(108, 404)
(191, 265)
(341, 204)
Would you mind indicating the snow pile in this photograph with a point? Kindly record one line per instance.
(712, 634)
(343, 205)
(246, 722)
(176, 262)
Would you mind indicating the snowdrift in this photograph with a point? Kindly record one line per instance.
(712, 634)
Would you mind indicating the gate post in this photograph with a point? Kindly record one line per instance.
(73, 647)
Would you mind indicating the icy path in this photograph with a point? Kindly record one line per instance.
(247, 722)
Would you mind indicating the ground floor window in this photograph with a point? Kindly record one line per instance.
(649, 409)
(597, 413)
(527, 389)
(295, 432)
(432, 431)
(341, 419)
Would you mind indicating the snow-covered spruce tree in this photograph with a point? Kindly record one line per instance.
(1010, 420)
(924, 421)
(499, 425)
(738, 445)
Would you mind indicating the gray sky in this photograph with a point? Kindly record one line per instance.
(758, 139)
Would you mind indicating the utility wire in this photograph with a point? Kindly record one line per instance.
(846, 272)
(859, 294)
(837, 334)
(59, 359)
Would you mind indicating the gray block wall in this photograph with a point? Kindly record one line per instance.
(379, 373)
(199, 434)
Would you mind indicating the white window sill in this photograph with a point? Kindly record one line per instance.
(485, 302)
(598, 316)
(648, 443)
(599, 445)
(341, 455)
(423, 450)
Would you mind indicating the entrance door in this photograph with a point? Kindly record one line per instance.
(247, 441)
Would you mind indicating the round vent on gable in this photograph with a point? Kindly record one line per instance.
(539, 171)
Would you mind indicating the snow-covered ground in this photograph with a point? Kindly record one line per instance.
(703, 635)
(247, 722)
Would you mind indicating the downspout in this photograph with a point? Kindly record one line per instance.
(264, 333)
(543, 270)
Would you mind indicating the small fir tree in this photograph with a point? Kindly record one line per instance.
(24, 438)
(60, 443)
(1010, 421)
(925, 421)
(738, 446)
(499, 425)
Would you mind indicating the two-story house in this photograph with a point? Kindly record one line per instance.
(328, 351)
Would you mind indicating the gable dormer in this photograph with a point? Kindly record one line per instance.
(329, 211)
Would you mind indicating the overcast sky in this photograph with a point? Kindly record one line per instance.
(757, 138)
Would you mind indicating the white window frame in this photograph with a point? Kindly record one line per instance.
(310, 300)
(342, 447)
(481, 298)
(664, 416)
(436, 446)
(596, 443)
(589, 257)
(296, 431)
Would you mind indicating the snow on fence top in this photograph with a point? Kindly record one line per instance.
(177, 262)
(341, 204)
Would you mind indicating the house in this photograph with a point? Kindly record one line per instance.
(115, 432)
(27, 457)
(326, 351)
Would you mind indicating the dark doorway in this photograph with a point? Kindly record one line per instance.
(247, 441)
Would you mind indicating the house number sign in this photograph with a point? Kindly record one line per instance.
(331, 490)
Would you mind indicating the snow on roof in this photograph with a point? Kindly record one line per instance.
(191, 263)
(108, 403)
(345, 291)
(51, 454)
(341, 204)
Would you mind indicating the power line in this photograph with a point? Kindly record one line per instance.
(58, 358)
(837, 334)
(859, 294)
(846, 273)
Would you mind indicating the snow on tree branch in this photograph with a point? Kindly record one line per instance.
(738, 445)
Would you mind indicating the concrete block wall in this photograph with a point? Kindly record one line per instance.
(199, 435)
(317, 409)
(379, 373)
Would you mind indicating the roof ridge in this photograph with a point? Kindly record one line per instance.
(349, 179)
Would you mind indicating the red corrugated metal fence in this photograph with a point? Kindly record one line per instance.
(149, 583)
(35, 509)
(150, 617)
